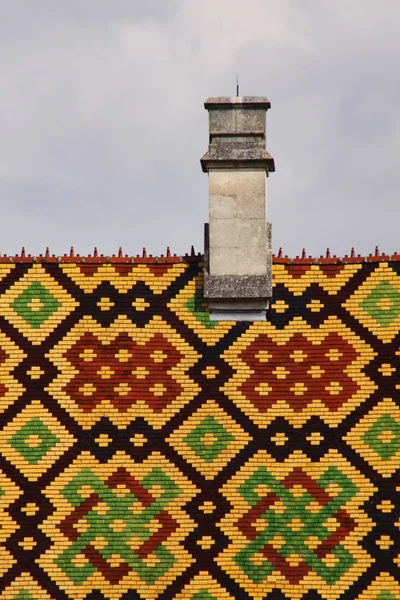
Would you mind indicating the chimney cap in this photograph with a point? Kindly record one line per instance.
(260, 102)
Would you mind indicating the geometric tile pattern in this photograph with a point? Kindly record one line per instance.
(123, 371)
(203, 587)
(298, 372)
(376, 437)
(384, 587)
(209, 439)
(9, 493)
(376, 303)
(34, 440)
(150, 453)
(296, 525)
(24, 587)
(35, 304)
(118, 526)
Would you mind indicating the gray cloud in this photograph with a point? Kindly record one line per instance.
(103, 125)
(89, 12)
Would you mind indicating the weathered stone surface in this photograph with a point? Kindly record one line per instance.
(237, 222)
(231, 101)
(234, 158)
(239, 120)
(237, 132)
(237, 287)
(238, 233)
(228, 261)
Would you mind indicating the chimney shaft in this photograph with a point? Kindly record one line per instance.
(237, 277)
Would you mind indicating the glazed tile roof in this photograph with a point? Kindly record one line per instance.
(147, 452)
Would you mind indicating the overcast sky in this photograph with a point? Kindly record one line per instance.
(102, 122)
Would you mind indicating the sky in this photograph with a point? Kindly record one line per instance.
(102, 120)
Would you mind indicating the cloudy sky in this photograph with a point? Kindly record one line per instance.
(102, 122)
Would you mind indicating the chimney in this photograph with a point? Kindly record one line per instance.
(238, 254)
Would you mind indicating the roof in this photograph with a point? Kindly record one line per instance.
(144, 447)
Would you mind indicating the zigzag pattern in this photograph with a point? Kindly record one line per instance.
(148, 453)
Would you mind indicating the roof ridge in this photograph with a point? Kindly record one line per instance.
(169, 258)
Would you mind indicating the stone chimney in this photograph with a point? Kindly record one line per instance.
(238, 255)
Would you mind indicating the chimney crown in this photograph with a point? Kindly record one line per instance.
(247, 101)
(237, 133)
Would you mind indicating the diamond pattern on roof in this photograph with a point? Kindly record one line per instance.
(148, 453)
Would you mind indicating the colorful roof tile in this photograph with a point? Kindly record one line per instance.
(148, 452)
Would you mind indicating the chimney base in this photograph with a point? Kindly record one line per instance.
(237, 287)
(238, 297)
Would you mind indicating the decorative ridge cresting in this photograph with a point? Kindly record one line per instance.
(192, 257)
(332, 259)
(97, 258)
